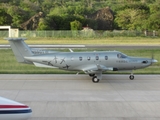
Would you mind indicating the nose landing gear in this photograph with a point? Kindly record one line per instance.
(131, 77)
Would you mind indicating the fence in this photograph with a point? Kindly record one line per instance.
(82, 34)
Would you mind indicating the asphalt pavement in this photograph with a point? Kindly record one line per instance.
(75, 97)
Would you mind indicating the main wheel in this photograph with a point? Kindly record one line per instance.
(131, 77)
(95, 79)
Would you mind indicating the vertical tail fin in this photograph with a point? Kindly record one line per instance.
(20, 48)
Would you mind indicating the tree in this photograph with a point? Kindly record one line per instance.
(132, 18)
(43, 25)
(16, 17)
(76, 25)
(31, 7)
(129, 14)
(153, 22)
(5, 19)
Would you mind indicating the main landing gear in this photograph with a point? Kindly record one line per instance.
(95, 78)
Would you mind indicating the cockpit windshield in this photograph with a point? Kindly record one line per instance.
(120, 55)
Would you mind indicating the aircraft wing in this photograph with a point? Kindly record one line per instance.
(104, 68)
(97, 68)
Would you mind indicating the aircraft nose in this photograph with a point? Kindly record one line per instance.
(154, 61)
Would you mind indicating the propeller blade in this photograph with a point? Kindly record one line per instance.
(153, 60)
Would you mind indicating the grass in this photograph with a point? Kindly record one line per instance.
(95, 41)
(9, 65)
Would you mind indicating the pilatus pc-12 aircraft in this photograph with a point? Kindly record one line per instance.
(92, 63)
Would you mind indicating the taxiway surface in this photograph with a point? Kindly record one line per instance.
(75, 97)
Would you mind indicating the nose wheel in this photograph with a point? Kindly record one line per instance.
(131, 77)
(95, 79)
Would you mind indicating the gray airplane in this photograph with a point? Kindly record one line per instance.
(92, 63)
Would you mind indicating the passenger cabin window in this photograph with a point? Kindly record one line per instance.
(106, 57)
(120, 55)
(88, 58)
(97, 57)
(80, 58)
(72, 58)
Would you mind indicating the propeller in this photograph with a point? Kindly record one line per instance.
(153, 60)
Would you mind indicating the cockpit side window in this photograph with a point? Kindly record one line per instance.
(120, 55)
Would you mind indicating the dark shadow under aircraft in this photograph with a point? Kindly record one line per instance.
(92, 63)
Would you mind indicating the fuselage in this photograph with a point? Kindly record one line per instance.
(83, 60)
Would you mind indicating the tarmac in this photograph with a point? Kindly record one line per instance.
(75, 97)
